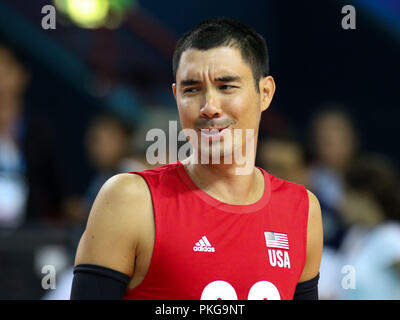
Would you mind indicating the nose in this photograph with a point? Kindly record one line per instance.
(211, 107)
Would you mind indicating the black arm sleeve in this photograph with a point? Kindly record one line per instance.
(307, 290)
(92, 282)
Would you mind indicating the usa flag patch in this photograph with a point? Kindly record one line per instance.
(276, 240)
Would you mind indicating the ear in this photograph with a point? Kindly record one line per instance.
(174, 90)
(267, 90)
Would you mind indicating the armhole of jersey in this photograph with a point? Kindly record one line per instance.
(157, 228)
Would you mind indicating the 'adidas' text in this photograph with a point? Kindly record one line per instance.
(203, 245)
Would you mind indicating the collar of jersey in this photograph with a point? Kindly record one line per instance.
(256, 206)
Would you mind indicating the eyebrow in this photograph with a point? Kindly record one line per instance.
(228, 79)
(190, 82)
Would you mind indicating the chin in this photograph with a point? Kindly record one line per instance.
(217, 154)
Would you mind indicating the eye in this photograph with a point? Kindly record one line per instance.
(191, 90)
(227, 87)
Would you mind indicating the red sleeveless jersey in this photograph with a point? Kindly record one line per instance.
(207, 249)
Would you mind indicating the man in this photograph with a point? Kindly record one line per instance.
(13, 187)
(191, 230)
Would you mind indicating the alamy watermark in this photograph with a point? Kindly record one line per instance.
(49, 20)
(349, 20)
(205, 146)
(49, 279)
(349, 280)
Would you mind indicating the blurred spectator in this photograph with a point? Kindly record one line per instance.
(371, 208)
(334, 143)
(284, 158)
(13, 187)
(108, 143)
(30, 177)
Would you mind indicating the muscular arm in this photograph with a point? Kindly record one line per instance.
(113, 230)
(314, 239)
(307, 286)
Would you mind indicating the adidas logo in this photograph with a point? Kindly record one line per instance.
(203, 245)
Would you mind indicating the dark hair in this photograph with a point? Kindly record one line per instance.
(218, 32)
(378, 176)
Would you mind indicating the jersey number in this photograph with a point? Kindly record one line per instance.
(222, 290)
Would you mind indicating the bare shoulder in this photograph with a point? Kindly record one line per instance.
(314, 208)
(314, 239)
(119, 198)
(314, 218)
(122, 188)
(115, 222)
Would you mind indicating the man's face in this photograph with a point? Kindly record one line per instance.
(335, 141)
(12, 77)
(215, 89)
(106, 144)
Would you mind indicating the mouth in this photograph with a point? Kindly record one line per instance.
(213, 133)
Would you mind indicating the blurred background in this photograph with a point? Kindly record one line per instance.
(77, 101)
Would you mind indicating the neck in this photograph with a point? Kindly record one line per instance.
(223, 182)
